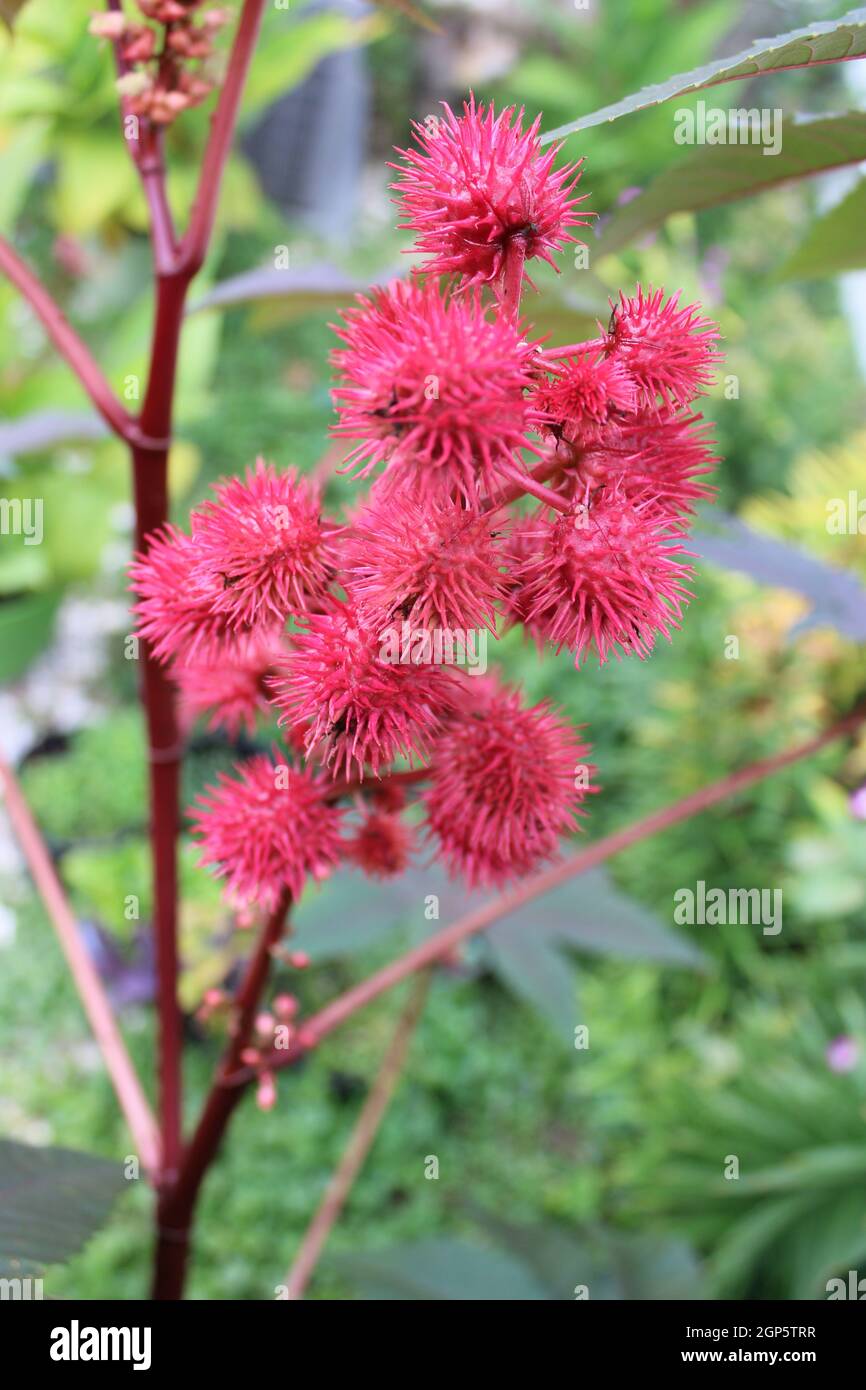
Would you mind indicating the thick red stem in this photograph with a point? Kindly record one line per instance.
(150, 481)
(176, 1209)
(91, 991)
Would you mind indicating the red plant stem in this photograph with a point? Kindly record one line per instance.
(531, 487)
(348, 786)
(70, 346)
(519, 487)
(151, 167)
(147, 152)
(360, 1142)
(175, 1214)
(150, 482)
(573, 349)
(512, 277)
(127, 1087)
(195, 243)
(311, 1031)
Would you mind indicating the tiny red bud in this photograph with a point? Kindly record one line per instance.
(285, 1006)
(266, 1095)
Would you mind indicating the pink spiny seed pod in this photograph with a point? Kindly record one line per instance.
(503, 787)
(265, 1025)
(477, 184)
(263, 546)
(583, 396)
(520, 549)
(360, 708)
(267, 829)
(609, 575)
(668, 351)
(428, 563)
(433, 388)
(657, 457)
(231, 688)
(177, 603)
(250, 1056)
(382, 845)
(299, 959)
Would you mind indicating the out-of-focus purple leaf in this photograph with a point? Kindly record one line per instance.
(838, 597)
(316, 286)
(130, 977)
(45, 428)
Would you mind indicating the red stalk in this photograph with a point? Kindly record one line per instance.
(176, 1210)
(70, 346)
(512, 277)
(195, 243)
(150, 481)
(359, 1145)
(91, 992)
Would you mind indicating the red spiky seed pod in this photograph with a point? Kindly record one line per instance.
(504, 787)
(267, 829)
(478, 184)
(435, 388)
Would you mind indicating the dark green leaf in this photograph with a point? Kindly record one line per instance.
(440, 1269)
(348, 914)
(51, 1202)
(591, 914)
(537, 973)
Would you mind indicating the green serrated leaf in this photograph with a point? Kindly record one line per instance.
(592, 914)
(830, 42)
(51, 1202)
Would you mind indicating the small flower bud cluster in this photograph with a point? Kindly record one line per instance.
(168, 64)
